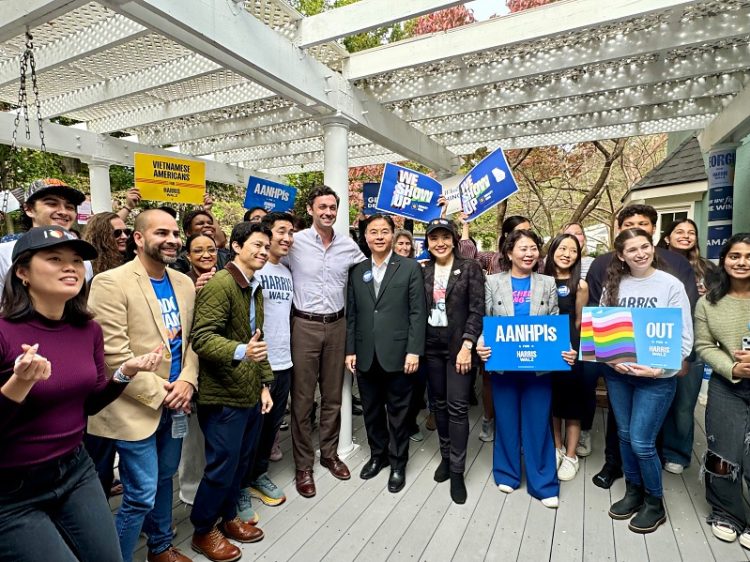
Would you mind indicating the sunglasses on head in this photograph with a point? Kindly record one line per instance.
(120, 231)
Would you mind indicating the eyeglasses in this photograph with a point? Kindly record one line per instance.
(120, 231)
(200, 251)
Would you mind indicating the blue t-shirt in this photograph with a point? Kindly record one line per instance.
(170, 315)
(521, 295)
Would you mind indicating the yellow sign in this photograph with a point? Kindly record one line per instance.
(175, 180)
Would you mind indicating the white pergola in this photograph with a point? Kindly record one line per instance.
(256, 88)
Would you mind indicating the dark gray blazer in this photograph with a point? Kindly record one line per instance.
(391, 325)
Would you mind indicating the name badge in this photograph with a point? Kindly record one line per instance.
(367, 276)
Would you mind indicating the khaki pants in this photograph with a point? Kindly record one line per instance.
(318, 352)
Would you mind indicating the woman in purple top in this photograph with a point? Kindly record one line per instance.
(52, 375)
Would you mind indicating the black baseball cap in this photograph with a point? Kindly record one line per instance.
(41, 237)
(436, 224)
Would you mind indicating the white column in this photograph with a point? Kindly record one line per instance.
(336, 176)
(336, 166)
(101, 193)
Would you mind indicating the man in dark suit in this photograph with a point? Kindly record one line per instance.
(386, 319)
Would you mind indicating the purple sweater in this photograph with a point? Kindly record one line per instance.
(51, 421)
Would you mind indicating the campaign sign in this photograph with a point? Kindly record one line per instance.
(527, 343)
(487, 184)
(420, 248)
(721, 161)
(370, 195)
(174, 180)
(272, 196)
(646, 336)
(716, 237)
(409, 194)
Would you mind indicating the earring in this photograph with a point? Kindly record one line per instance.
(25, 282)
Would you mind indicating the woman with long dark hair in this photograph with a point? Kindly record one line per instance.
(640, 395)
(722, 339)
(568, 390)
(108, 234)
(454, 289)
(681, 236)
(523, 399)
(53, 375)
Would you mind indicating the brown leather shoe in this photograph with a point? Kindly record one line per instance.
(169, 555)
(238, 530)
(305, 483)
(215, 546)
(337, 467)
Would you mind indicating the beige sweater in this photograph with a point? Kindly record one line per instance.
(719, 329)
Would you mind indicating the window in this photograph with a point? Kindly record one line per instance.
(665, 219)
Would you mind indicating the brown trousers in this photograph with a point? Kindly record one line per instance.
(318, 352)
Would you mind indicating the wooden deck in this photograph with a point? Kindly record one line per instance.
(360, 520)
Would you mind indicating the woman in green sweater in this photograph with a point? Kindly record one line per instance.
(722, 338)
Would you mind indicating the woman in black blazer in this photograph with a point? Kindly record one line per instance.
(454, 289)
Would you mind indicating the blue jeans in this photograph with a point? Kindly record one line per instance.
(678, 427)
(271, 424)
(640, 406)
(146, 471)
(231, 436)
(56, 511)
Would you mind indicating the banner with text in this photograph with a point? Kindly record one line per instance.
(271, 196)
(489, 183)
(408, 193)
(527, 343)
(645, 336)
(174, 180)
(370, 195)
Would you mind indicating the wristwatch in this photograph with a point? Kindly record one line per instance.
(468, 345)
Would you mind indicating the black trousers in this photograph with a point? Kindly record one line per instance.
(450, 392)
(385, 405)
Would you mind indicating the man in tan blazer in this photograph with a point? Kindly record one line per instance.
(142, 306)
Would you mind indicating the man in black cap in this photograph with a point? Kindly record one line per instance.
(47, 202)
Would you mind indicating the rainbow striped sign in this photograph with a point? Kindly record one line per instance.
(646, 336)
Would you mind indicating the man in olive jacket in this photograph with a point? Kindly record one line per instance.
(235, 374)
(386, 318)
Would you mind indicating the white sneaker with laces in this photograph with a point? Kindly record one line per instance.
(726, 533)
(673, 467)
(559, 454)
(568, 468)
(552, 503)
(584, 444)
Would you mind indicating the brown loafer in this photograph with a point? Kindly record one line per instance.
(305, 483)
(215, 546)
(238, 530)
(169, 555)
(337, 467)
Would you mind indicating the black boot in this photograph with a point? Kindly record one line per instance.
(442, 472)
(458, 488)
(628, 505)
(649, 517)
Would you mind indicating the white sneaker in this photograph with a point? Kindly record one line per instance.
(673, 467)
(552, 503)
(568, 468)
(505, 488)
(488, 430)
(584, 444)
(725, 533)
(745, 538)
(559, 454)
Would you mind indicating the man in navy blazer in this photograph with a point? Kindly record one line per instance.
(386, 319)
